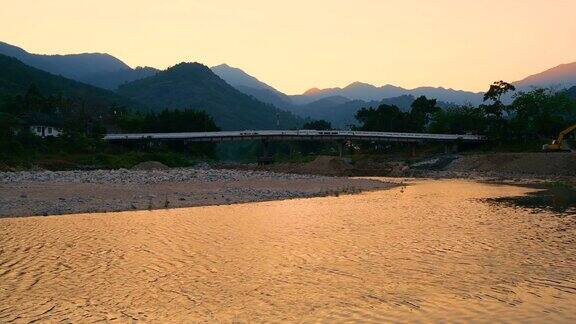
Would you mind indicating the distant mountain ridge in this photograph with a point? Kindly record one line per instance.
(99, 69)
(249, 85)
(337, 105)
(341, 111)
(368, 92)
(17, 77)
(562, 76)
(195, 86)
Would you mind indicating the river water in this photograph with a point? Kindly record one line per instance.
(434, 250)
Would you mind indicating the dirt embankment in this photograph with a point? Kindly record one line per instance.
(551, 166)
(331, 166)
(538, 164)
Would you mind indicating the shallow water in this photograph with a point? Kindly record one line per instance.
(558, 199)
(431, 251)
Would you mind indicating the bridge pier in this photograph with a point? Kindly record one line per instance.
(451, 148)
(341, 148)
(265, 158)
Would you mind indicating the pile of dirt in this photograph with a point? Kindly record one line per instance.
(561, 164)
(6, 168)
(328, 165)
(321, 165)
(150, 165)
(371, 167)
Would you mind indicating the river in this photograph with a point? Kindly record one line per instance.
(433, 250)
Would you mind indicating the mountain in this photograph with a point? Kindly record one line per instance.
(102, 70)
(368, 92)
(17, 77)
(112, 80)
(340, 111)
(249, 85)
(562, 76)
(72, 66)
(193, 85)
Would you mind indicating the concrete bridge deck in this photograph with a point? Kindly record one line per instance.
(272, 135)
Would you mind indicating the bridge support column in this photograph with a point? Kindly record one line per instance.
(341, 148)
(265, 158)
(451, 148)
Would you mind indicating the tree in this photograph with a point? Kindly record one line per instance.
(458, 120)
(494, 112)
(385, 118)
(497, 89)
(317, 125)
(541, 113)
(421, 110)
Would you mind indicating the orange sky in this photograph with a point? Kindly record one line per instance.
(294, 45)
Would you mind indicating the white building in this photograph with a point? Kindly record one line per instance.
(43, 125)
(45, 131)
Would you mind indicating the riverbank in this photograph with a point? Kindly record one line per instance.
(520, 168)
(66, 192)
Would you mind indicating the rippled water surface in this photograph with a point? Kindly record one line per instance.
(432, 251)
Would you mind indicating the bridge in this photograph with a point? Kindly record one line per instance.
(296, 135)
(290, 135)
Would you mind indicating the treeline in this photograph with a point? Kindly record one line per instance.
(83, 126)
(536, 114)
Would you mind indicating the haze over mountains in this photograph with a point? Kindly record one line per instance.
(238, 100)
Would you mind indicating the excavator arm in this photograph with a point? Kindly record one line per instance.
(564, 133)
(557, 144)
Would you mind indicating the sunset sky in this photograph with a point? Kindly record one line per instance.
(298, 44)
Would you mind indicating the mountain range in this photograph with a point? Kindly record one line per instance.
(252, 86)
(194, 86)
(561, 76)
(16, 78)
(231, 95)
(186, 85)
(98, 69)
(339, 105)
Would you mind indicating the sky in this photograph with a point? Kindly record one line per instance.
(298, 44)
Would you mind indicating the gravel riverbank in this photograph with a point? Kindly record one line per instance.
(66, 192)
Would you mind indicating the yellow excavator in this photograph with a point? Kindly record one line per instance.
(559, 145)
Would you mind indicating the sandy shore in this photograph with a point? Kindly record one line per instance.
(66, 192)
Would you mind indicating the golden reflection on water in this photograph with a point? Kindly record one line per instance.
(432, 251)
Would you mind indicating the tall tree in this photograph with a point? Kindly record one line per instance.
(421, 110)
(497, 89)
(385, 118)
(494, 112)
